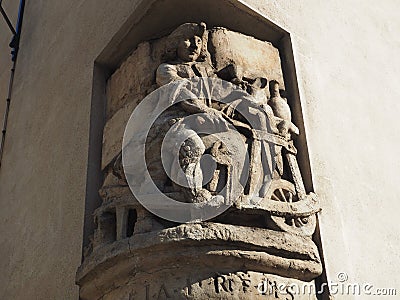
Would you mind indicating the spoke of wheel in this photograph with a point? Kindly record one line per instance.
(274, 197)
(291, 222)
(290, 197)
(282, 194)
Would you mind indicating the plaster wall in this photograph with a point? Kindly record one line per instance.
(5, 52)
(347, 67)
(346, 54)
(43, 176)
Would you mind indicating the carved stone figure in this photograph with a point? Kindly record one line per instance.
(191, 62)
(267, 230)
(282, 111)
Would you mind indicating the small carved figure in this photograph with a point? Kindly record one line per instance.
(249, 111)
(282, 111)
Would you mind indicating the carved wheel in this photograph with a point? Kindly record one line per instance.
(284, 191)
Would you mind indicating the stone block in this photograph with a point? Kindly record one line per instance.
(134, 77)
(114, 131)
(255, 57)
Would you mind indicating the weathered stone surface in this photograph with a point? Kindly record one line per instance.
(256, 58)
(182, 284)
(114, 132)
(209, 246)
(131, 80)
(229, 84)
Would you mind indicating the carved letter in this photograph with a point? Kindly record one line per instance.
(224, 283)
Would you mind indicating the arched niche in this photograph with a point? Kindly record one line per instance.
(153, 19)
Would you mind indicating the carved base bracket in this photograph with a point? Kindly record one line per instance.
(180, 263)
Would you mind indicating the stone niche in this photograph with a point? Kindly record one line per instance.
(263, 243)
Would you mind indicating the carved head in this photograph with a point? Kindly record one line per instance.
(190, 41)
(274, 88)
(189, 49)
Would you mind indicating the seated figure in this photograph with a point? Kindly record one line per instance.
(190, 62)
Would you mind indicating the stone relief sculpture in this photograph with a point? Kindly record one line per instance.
(267, 230)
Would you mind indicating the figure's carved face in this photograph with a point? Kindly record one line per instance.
(189, 48)
(274, 88)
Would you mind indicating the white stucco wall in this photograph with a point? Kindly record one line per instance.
(42, 179)
(348, 70)
(346, 54)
